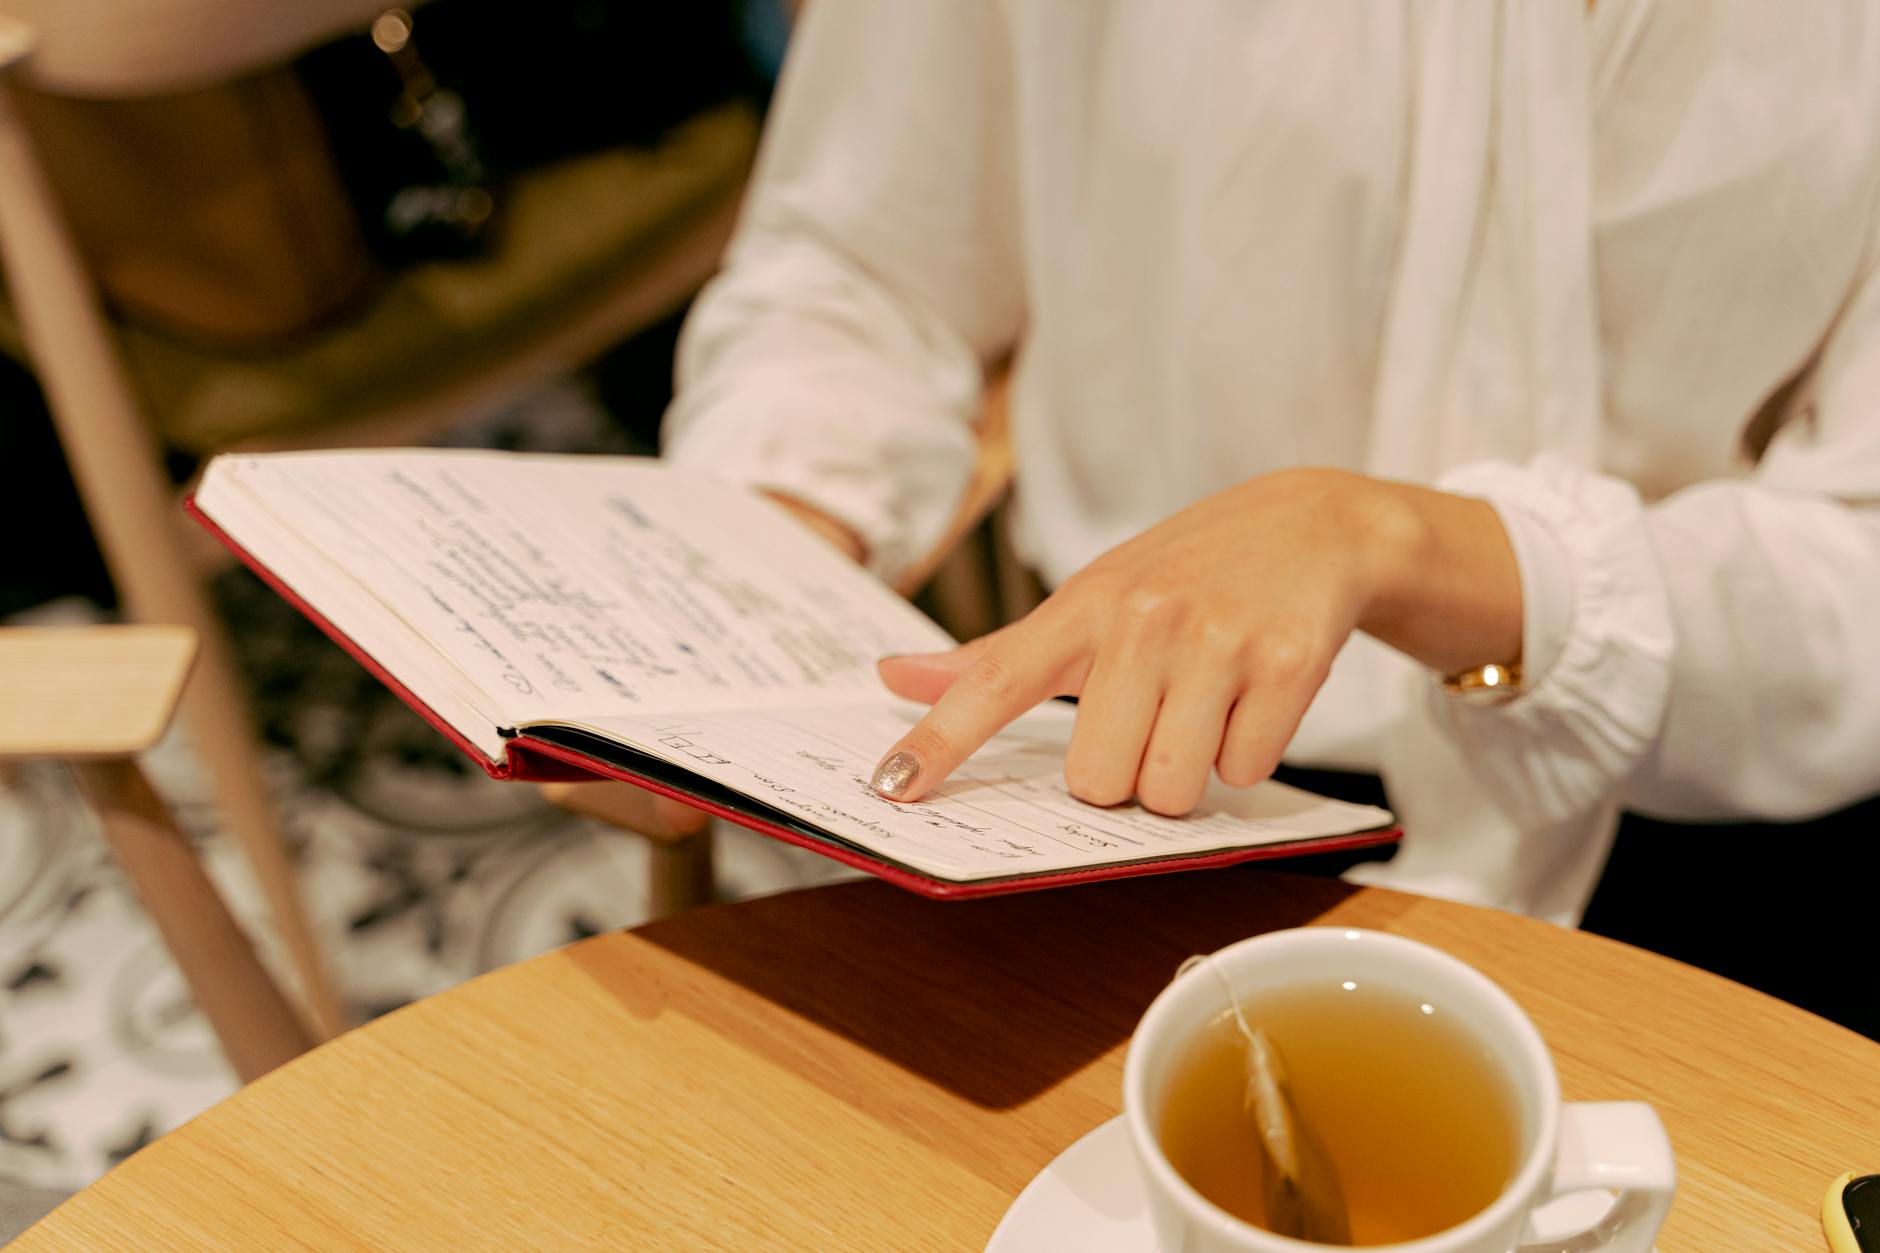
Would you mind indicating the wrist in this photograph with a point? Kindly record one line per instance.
(1440, 579)
(1391, 547)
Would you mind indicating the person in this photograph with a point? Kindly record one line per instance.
(1355, 349)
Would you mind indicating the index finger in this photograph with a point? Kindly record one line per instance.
(1031, 663)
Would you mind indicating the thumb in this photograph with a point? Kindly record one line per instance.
(925, 677)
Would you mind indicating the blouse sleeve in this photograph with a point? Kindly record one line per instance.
(839, 357)
(1718, 653)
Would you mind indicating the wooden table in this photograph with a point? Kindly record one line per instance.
(856, 1068)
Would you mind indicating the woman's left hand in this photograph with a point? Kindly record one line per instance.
(1199, 644)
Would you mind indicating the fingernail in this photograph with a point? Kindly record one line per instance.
(893, 775)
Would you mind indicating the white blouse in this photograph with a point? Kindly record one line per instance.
(1561, 261)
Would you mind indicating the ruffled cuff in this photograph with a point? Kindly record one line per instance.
(1546, 585)
(1597, 640)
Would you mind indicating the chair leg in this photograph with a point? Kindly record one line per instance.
(221, 729)
(256, 1024)
(128, 500)
(679, 874)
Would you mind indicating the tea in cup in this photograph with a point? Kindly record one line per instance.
(1430, 1092)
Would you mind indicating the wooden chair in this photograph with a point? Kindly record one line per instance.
(96, 697)
(97, 377)
(679, 847)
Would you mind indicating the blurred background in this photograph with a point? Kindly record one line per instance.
(323, 225)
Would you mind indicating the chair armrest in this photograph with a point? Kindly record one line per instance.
(94, 691)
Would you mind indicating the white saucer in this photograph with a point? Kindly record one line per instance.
(1090, 1199)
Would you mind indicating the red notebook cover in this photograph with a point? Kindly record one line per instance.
(532, 759)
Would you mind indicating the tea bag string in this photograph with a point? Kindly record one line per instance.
(1301, 1190)
(1265, 1098)
(1233, 997)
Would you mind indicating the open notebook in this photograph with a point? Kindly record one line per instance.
(565, 617)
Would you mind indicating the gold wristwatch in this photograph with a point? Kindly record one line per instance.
(1493, 684)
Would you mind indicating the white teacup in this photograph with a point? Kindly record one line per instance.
(1618, 1147)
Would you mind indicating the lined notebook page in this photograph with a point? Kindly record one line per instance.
(580, 587)
(1005, 812)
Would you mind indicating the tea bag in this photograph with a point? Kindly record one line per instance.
(1302, 1193)
(1304, 1197)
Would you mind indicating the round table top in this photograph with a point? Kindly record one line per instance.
(856, 1067)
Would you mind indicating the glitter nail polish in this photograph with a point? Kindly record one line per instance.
(893, 775)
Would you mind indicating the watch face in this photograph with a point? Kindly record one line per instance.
(1861, 1199)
